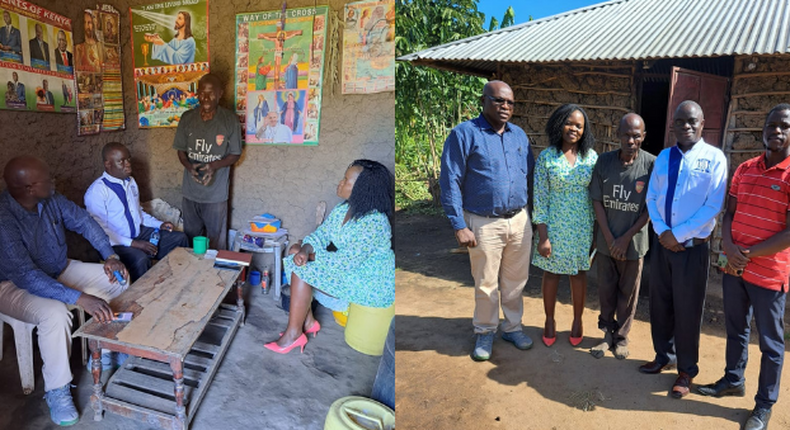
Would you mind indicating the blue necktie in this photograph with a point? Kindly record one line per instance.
(121, 193)
(674, 166)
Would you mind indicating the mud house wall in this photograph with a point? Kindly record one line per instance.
(604, 90)
(285, 181)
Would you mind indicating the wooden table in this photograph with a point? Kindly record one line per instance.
(180, 330)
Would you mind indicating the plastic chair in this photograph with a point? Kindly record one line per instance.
(23, 338)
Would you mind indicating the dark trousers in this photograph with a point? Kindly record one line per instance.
(677, 296)
(211, 218)
(741, 299)
(138, 262)
(618, 291)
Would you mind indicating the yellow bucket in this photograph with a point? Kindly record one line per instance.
(341, 317)
(366, 328)
(359, 413)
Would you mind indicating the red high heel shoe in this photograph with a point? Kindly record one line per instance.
(575, 341)
(314, 329)
(301, 341)
(548, 341)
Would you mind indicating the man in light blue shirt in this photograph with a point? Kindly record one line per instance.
(486, 177)
(685, 194)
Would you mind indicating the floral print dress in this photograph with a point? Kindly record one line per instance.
(562, 202)
(362, 268)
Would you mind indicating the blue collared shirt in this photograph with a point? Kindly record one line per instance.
(33, 252)
(483, 172)
(698, 195)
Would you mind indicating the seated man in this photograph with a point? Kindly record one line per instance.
(113, 201)
(33, 219)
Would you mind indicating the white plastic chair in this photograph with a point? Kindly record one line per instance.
(23, 338)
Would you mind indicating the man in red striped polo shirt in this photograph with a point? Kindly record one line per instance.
(756, 238)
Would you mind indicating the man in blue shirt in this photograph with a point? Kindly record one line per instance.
(684, 196)
(486, 181)
(37, 281)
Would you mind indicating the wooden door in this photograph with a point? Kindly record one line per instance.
(710, 91)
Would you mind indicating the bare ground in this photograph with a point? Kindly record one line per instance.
(438, 386)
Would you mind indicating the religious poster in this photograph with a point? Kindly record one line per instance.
(279, 74)
(98, 72)
(369, 47)
(171, 54)
(36, 70)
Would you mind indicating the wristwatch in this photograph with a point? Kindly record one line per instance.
(114, 256)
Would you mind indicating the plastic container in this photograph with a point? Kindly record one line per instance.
(200, 245)
(359, 413)
(154, 239)
(255, 278)
(341, 317)
(366, 328)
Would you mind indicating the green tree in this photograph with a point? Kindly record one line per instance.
(429, 102)
(507, 20)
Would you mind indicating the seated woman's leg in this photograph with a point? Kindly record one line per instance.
(300, 314)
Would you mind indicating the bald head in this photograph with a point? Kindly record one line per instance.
(492, 87)
(112, 146)
(688, 124)
(690, 105)
(28, 180)
(631, 120)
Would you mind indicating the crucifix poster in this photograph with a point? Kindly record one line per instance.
(171, 54)
(279, 74)
(36, 69)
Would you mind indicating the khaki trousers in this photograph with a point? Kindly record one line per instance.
(500, 267)
(51, 317)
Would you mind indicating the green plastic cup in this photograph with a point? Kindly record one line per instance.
(200, 244)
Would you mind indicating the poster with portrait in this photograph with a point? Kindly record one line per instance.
(36, 69)
(171, 54)
(369, 47)
(98, 72)
(279, 75)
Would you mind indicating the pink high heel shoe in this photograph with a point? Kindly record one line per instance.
(314, 329)
(301, 341)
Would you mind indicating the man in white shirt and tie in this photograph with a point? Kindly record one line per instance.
(62, 56)
(113, 201)
(684, 196)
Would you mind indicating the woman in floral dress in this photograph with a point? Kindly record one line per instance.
(564, 213)
(348, 258)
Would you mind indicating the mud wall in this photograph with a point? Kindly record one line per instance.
(285, 181)
(605, 90)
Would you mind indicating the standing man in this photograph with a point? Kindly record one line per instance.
(684, 197)
(47, 93)
(113, 201)
(10, 37)
(39, 49)
(19, 87)
(37, 281)
(618, 189)
(756, 238)
(208, 143)
(486, 182)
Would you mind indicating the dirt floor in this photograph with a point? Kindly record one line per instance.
(438, 386)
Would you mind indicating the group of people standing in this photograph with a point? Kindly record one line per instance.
(495, 193)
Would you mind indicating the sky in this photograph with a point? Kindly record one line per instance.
(525, 8)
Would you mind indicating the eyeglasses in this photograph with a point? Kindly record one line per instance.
(499, 101)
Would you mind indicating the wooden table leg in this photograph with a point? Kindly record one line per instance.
(240, 295)
(178, 376)
(98, 394)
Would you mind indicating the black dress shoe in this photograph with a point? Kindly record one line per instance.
(682, 385)
(654, 367)
(722, 388)
(758, 420)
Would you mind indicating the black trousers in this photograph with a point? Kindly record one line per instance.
(138, 262)
(741, 300)
(677, 296)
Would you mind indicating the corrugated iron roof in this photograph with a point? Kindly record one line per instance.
(625, 30)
